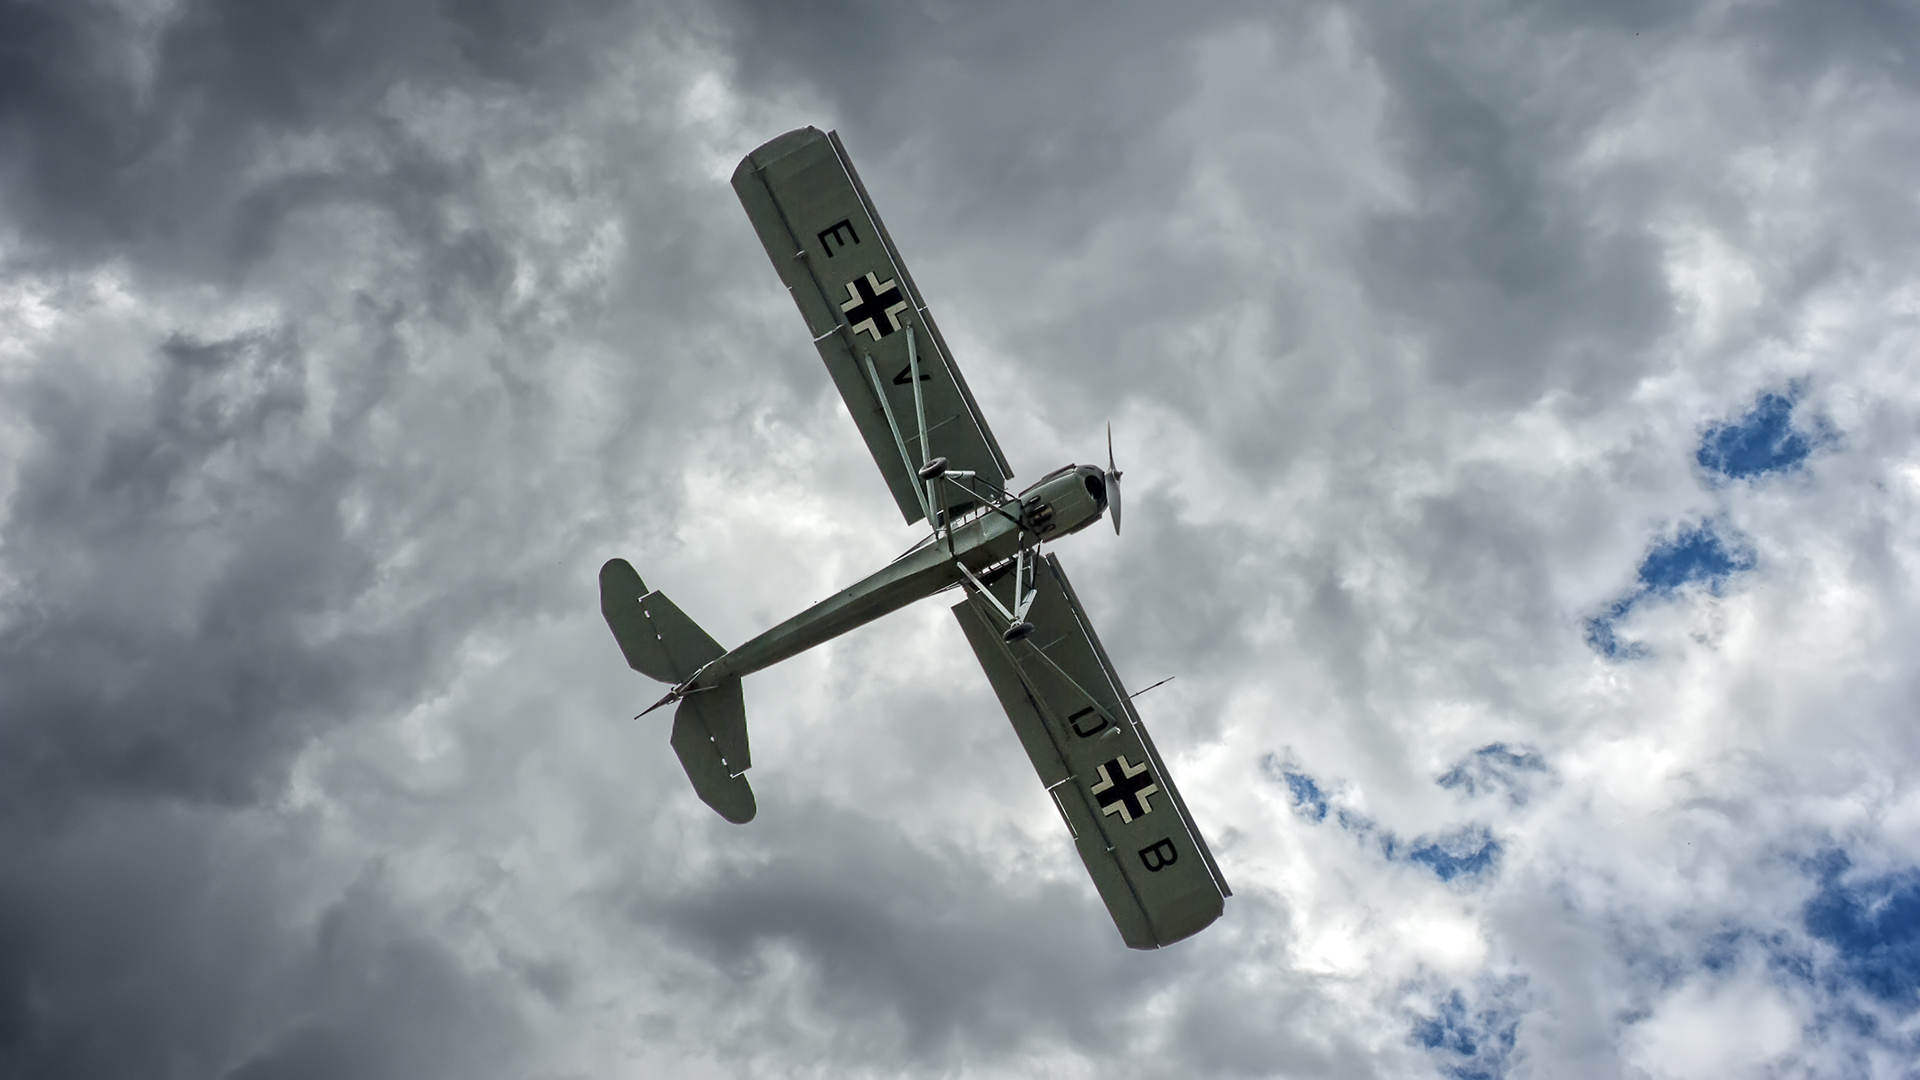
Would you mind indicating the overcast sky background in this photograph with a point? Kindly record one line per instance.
(1522, 431)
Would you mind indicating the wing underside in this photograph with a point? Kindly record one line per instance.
(862, 308)
(1132, 829)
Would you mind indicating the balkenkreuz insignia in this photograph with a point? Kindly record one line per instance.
(873, 307)
(1123, 789)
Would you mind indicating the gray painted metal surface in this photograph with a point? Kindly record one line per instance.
(826, 241)
(1079, 728)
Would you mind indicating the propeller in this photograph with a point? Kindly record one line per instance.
(1113, 484)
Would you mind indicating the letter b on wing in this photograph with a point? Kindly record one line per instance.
(1159, 855)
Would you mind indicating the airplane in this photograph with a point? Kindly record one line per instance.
(943, 466)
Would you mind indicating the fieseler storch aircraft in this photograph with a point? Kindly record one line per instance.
(944, 467)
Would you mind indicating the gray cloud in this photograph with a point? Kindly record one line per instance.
(135, 127)
(189, 941)
(1520, 294)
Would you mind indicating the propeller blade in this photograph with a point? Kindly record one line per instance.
(1113, 484)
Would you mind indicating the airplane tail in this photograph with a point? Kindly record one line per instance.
(710, 726)
(658, 639)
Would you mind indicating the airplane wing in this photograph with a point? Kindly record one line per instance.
(1132, 829)
(862, 307)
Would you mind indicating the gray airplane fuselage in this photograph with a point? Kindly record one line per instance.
(1064, 501)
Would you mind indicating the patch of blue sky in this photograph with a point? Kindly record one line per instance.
(1603, 636)
(1854, 965)
(1474, 1038)
(1872, 925)
(1308, 800)
(1764, 440)
(1362, 826)
(1761, 442)
(1723, 950)
(1848, 961)
(1730, 949)
(1697, 554)
(1467, 852)
(1497, 767)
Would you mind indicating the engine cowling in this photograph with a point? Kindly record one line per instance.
(1064, 501)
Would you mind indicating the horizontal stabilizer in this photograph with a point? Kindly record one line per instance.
(659, 641)
(710, 735)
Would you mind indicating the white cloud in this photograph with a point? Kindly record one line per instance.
(1717, 1028)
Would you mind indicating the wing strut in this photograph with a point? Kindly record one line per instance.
(1092, 701)
(894, 425)
(1025, 589)
(986, 593)
(929, 473)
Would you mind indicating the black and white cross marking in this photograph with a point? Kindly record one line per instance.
(874, 306)
(1123, 789)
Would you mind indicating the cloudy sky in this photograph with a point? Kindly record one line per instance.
(1522, 431)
